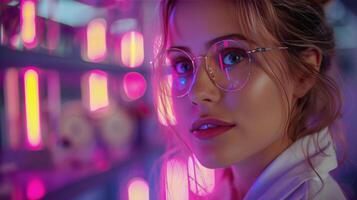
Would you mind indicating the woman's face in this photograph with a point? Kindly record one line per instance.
(253, 116)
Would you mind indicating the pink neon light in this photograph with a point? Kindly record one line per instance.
(98, 90)
(176, 180)
(53, 35)
(32, 107)
(165, 112)
(12, 105)
(28, 23)
(96, 40)
(2, 34)
(138, 189)
(202, 179)
(35, 189)
(54, 96)
(132, 49)
(134, 85)
(15, 41)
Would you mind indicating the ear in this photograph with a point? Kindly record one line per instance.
(303, 84)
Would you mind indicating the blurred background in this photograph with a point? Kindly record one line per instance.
(77, 115)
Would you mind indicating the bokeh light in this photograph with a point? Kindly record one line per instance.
(138, 189)
(35, 189)
(28, 23)
(32, 107)
(134, 85)
(98, 90)
(176, 180)
(12, 105)
(132, 49)
(96, 40)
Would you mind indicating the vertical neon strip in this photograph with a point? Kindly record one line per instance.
(12, 107)
(138, 189)
(202, 179)
(98, 90)
(28, 23)
(176, 180)
(17, 191)
(165, 110)
(52, 35)
(96, 40)
(54, 100)
(132, 49)
(133, 53)
(15, 41)
(2, 34)
(32, 107)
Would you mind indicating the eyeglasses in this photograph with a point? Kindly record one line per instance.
(228, 66)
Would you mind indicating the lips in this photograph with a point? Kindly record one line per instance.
(209, 127)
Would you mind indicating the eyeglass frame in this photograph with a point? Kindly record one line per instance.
(209, 70)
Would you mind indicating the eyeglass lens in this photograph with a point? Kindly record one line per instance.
(227, 64)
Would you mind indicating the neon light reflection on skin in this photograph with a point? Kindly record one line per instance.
(176, 180)
(202, 179)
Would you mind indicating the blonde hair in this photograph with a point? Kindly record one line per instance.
(298, 25)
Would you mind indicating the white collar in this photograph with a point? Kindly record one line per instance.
(290, 169)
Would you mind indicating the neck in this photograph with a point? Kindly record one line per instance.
(247, 171)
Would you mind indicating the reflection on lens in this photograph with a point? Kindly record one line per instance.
(180, 66)
(227, 64)
(230, 65)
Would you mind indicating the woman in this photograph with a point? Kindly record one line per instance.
(252, 95)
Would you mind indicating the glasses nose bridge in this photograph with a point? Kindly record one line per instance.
(205, 69)
(196, 58)
(197, 64)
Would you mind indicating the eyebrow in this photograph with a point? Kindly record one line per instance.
(215, 40)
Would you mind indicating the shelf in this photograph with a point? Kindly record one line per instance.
(15, 58)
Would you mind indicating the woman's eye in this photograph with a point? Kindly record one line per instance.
(182, 67)
(233, 57)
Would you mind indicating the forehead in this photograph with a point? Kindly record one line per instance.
(194, 23)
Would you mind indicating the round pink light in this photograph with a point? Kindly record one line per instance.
(35, 189)
(134, 85)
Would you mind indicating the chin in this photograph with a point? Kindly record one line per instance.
(214, 162)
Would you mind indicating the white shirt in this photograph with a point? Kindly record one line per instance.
(290, 177)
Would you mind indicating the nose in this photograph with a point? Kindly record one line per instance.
(203, 89)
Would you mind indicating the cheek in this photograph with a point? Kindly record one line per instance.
(184, 112)
(260, 107)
